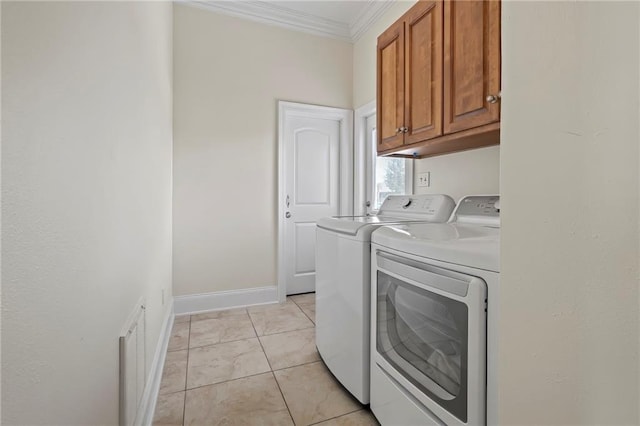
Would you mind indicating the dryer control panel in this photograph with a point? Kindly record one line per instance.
(478, 209)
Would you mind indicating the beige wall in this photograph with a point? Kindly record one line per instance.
(569, 179)
(364, 54)
(229, 74)
(0, 218)
(463, 173)
(86, 200)
(470, 172)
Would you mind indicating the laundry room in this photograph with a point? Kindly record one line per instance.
(311, 212)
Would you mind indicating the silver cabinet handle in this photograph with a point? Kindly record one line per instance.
(287, 215)
(492, 99)
(405, 130)
(399, 130)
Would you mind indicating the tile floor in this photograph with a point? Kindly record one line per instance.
(253, 366)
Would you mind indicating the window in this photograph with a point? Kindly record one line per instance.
(391, 176)
(376, 177)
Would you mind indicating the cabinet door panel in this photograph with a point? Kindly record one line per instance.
(423, 72)
(390, 87)
(471, 63)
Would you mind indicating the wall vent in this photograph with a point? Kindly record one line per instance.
(132, 365)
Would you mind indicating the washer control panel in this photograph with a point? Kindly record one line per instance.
(430, 207)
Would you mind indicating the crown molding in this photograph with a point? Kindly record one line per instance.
(268, 13)
(367, 17)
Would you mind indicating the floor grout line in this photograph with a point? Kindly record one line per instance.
(169, 393)
(260, 342)
(246, 312)
(222, 343)
(283, 398)
(288, 331)
(272, 373)
(297, 365)
(178, 350)
(300, 307)
(230, 380)
(186, 374)
(336, 417)
(310, 319)
(244, 377)
(246, 338)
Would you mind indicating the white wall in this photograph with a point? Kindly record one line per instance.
(569, 179)
(86, 199)
(229, 74)
(458, 174)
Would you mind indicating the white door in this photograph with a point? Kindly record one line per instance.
(315, 181)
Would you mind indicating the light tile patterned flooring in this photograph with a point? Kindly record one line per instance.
(253, 366)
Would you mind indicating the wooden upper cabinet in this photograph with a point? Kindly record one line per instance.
(390, 87)
(423, 72)
(471, 64)
(410, 77)
(438, 75)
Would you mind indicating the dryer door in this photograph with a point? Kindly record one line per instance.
(427, 335)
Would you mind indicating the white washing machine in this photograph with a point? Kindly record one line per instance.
(343, 256)
(435, 290)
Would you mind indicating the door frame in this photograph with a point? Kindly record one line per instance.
(345, 117)
(363, 156)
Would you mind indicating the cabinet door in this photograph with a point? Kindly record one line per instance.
(471, 63)
(390, 109)
(423, 71)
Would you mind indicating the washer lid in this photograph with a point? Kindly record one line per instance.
(354, 225)
(463, 244)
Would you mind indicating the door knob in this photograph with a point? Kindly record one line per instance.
(405, 129)
(399, 130)
(287, 215)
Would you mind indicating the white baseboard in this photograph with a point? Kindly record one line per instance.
(195, 303)
(150, 394)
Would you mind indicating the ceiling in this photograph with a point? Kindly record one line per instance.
(345, 20)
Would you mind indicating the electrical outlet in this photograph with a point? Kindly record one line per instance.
(424, 179)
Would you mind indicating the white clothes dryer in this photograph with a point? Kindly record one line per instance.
(435, 290)
(343, 256)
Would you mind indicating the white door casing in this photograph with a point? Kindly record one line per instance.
(315, 180)
(364, 156)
